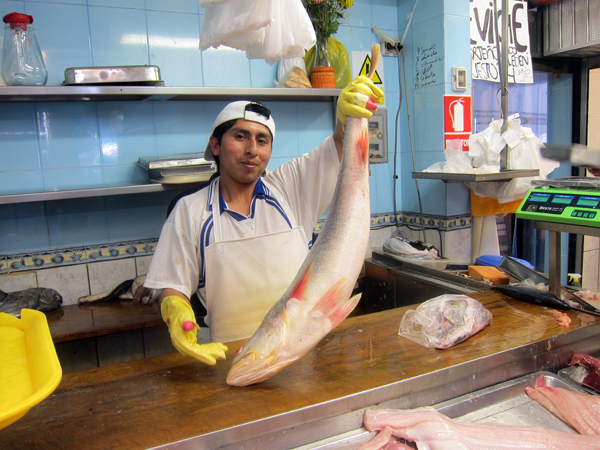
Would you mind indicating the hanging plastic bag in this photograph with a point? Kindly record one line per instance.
(444, 321)
(265, 29)
(235, 23)
(339, 58)
(288, 36)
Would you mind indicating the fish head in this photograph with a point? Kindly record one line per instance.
(49, 300)
(260, 358)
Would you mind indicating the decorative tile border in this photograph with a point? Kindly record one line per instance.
(107, 252)
(443, 223)
(76, 255)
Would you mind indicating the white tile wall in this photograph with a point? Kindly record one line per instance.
(70, 281)
(18, 282)
(105, 276)
(457, 246)
(75, 281)
(142, 264)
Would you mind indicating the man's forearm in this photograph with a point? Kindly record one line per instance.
(168, 291)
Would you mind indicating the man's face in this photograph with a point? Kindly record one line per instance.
(244, 151)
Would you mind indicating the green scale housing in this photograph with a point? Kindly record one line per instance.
(569, 206)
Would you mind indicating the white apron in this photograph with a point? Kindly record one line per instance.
(245, 277)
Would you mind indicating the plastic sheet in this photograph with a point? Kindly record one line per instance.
(401, 247)
(523, 153)
(444, 321)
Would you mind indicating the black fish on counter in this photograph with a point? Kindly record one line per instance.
(41, 299)
(127, 290)
(532, 295)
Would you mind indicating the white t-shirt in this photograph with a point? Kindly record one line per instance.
(295, 194)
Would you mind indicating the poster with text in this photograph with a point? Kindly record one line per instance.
(484, 52)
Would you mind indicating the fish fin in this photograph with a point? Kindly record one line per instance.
(331, 303)
(300, 288)
(341, 313)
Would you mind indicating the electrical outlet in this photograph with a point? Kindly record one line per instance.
(388, 49)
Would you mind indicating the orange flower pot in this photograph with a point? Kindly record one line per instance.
(322, 77)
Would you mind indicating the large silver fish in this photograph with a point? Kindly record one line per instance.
(318, 299)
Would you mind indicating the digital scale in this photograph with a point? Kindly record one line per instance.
(574, 207)
(562, 205)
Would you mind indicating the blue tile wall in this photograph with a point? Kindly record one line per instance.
(78, 145)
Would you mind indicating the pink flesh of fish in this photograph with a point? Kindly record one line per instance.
(385, 441)
(579, 410)
(318, 299)
(434, 431)
(592, 379)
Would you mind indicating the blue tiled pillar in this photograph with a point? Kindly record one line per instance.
(437, 39)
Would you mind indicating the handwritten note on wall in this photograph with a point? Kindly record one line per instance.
(426, 69)
(484, 53)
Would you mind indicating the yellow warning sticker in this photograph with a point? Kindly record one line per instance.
(366, 68)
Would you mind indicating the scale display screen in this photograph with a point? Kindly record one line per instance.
(536, 197)
(570, 206)
(592, 202)
(563, 199)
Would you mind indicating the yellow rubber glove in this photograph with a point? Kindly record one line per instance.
(176, 312)
(358, 99)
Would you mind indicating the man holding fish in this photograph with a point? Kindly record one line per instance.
(241, 240)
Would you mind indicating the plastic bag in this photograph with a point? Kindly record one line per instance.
(524, 153)
(265, 29)
(285, 66)
(339, 58)
(235, 23)
(401, 247)
(289, 35)
(457, 161)
(444, 321)
(294, 77)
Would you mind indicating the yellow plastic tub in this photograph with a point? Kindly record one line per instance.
(29, 367)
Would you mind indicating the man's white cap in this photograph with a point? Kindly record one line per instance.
(241, 110)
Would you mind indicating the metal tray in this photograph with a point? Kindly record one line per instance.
(140, 75)
(504, 403)
(507, 403)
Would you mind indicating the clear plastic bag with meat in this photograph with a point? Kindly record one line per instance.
(444, 321)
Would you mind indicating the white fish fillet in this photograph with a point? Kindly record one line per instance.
(579, 410)
(432, 430)
(319, 297)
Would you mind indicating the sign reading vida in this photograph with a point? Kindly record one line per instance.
(484, 53)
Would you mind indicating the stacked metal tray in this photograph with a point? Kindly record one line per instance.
(179, 168)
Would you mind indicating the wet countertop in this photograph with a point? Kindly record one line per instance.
(166, 399)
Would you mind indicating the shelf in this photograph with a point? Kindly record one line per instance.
(473, 177)
(95, 192)
(161, 93)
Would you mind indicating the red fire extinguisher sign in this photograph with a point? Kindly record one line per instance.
(457, 119)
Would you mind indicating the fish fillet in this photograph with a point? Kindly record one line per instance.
(592, 378)
(319, 298)
(384, 440)
(432, 430)
(579, 410)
